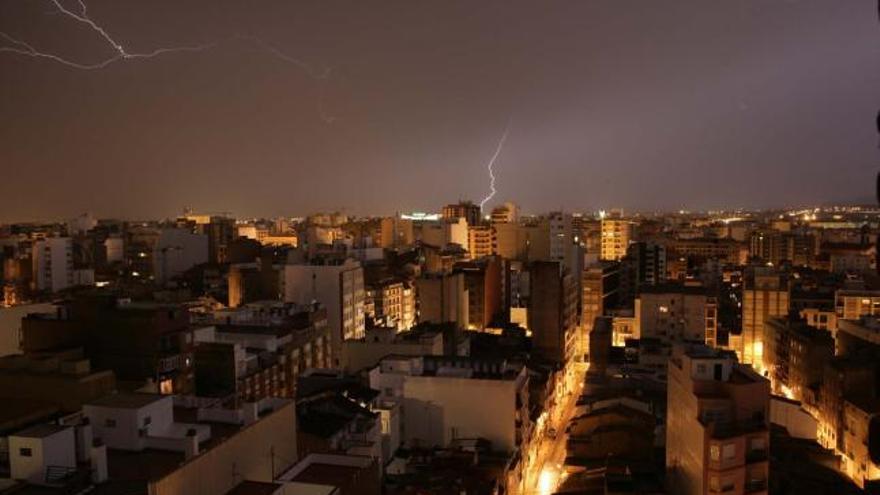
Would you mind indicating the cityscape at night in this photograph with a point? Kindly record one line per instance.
(597, 247)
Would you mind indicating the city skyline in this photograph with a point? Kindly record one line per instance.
(295, 108)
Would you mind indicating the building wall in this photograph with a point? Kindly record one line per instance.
(67, 392)
(717, 426)
(856, 461)
(481, 241)
(10, 325)
(546, 310)
(119, 427)
(674, 316)
(176, 251)
(764, 297)
(616, 236)
(339, 288)
(443, 299)
(850, 305)
(437, 410)
(57, 449)
(53, 263)
(258, 452)
(361, 354)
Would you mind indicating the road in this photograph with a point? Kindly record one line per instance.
(546, 473)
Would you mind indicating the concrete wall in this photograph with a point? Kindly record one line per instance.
(57, 449)
(251, 454)
(10, 325)
(124, 435)
(340, 289)
(178, 250)
(436, 410)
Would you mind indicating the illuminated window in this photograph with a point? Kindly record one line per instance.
(715, 453)
(166, 387)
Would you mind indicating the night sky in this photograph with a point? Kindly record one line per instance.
(615, 103)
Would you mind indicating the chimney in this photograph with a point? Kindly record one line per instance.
(191, 444)
(98, 456)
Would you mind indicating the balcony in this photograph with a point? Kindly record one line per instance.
(756, 486)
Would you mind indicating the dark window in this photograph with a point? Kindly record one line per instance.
(718, 374)
(110, 423)
(25, 452)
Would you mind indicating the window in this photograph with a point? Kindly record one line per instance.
(715, 453)
(147, 421)
(25, 452)
(110, 423)
(728, 485)
(701, 368)
(729, 451)
(756, 444)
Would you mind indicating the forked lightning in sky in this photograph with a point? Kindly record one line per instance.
(492, 170)
(120, 53)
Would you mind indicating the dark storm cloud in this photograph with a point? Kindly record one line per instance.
(640, 104)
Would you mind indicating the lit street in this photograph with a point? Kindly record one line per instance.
(546, 472)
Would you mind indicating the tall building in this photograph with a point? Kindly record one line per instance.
(561, 235)
(443, 298)
(220, 231)
(440, 233)
(616, 236)
(717, 428)
(649, 262)
(146, 344)
(552, 311)
(506, 213)
(339, 287)
(52, 264)
(795, 355)
(463, 209)
(260, 350)
(676, 313)
(176, 251)
(447, 398)
(765, 295)
(391, 302)
(482, 279)
(395, 232)
(481, 241)
(853, 304)
(600, 284)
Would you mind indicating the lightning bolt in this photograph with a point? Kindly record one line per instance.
(120, 53)
(492, 164)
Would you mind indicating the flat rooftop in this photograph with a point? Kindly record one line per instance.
(248, 487)
(41, 431)
(126, 400)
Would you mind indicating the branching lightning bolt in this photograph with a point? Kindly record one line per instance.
(21, 47)
(492, 164)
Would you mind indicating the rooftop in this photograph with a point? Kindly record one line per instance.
(127, 400)
(248, 487)
(41, 431)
